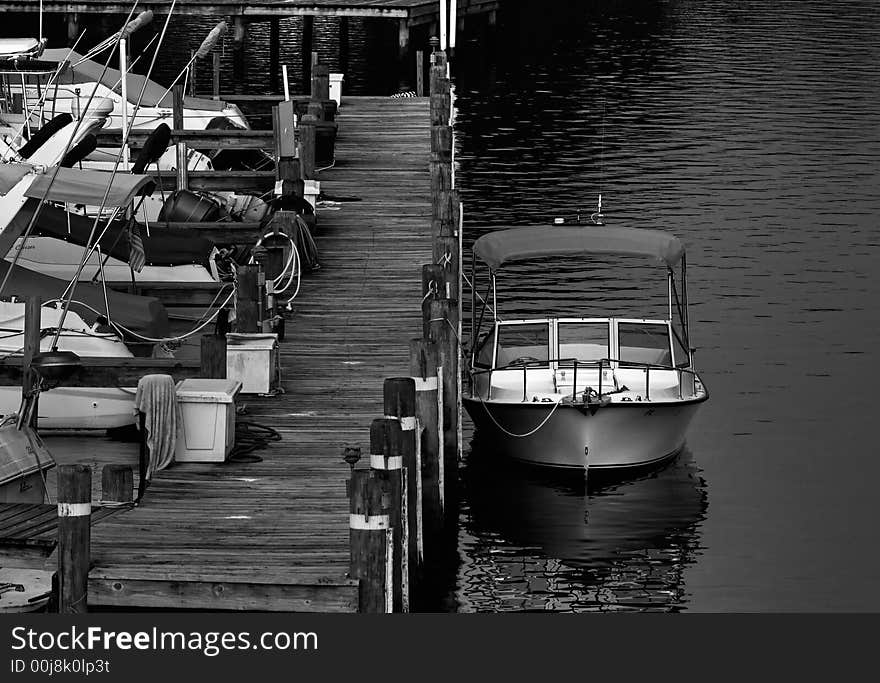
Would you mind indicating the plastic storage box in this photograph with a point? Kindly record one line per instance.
(252, 359)
(207, 432)
(336, 88)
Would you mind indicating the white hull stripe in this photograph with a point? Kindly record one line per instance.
(74, 509)
(380, 462)
(429, 384)
(368, 522)
(407, 424)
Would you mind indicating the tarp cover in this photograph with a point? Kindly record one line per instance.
(521, 244)
(155, 95)
(142, 314)
(10, 174)
(77, 186)
(163, 246)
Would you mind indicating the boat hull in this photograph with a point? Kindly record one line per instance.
(618, 435)
(76, 407)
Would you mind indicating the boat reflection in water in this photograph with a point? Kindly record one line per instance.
(542, 542)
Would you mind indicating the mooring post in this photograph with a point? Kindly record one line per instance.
(440, 105)
(399, 394)
(307, 146)
(370, 542)
(440, 169)
(446, 256)
(321, 82)
(420, 73)
(442, 330)
(178, 124)
(32, 330)
(212, 358)
(423, 368)
(215, 80)
(117, 484)
(385, 459)
(74, 537)
(247, 299)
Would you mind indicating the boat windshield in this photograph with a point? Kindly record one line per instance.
(644, 343)
(586, 342)
(528, 342)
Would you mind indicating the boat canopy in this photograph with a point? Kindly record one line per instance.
(162, 246)
(77, 186)
(522, 244)
(11, 174)
(87, 71)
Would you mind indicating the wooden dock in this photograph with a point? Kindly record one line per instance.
(274, 535)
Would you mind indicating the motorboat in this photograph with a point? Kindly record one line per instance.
(583, 392)
(68, 407)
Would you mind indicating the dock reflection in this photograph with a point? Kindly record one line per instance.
(541, 541)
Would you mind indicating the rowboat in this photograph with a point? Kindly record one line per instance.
(583, 392)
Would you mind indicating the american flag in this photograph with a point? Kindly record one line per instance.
(137, 259)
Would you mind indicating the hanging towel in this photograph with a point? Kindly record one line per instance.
(156, 398)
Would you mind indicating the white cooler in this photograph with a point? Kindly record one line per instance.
(336, 88)
(207, 432)
(252, 359)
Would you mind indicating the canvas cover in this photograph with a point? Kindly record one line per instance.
(522, 244)
(144, 315)
(163, 246)
(22, 452)
(78, 186)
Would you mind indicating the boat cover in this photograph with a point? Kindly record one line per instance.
(86, 71)
(10, 174)
(79, 186)
(142, 314)
(162, 247)
(521, 244)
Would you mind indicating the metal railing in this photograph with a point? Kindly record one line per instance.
(601, 365)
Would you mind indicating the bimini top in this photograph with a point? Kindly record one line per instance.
(80, 186)
(522, 244)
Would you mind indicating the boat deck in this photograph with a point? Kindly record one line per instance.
(274, 534)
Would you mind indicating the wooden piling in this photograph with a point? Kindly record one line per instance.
(215, 76)
(423, 368)
(447, 257)
(386, 460)
(213, 356)
(308, 23)
(442, 330)
(178, 122)
(420, 73)
(371, 542)
(117, 484)
(288, 169)
(74, 537)
(32, 330)
(321, 82)
(274, 55)
(307, 146)
(399, 395)
(247, 299)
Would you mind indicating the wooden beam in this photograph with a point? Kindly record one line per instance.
(183, 588)
(108, 372)
(222, 8)
(197, 139)
(240, 181)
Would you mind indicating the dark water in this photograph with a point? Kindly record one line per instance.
(752, 131)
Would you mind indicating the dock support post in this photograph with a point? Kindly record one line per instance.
(215, 80)
(423, 368)
(178, 124)
(385, 459)
(32, 330)
(74, 537)
(247, 299)
(320, 83)
(117, 484)
(274, 55)
(442, 330)
(307, 135)
(213, 356)
(420, 73)
(72, 28)
(343, 44)
(306, 48)
(403, 57)
(239, 36)
(440, 90)
(399, 395)
(371, 542)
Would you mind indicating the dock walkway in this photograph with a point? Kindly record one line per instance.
(274, 534)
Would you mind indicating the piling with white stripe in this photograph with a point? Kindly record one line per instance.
(371, 542)
(387, 463)
(74, 537)
(399, 394)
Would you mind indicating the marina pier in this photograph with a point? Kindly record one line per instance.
(335, 514)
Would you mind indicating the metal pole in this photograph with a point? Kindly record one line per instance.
(123, 69)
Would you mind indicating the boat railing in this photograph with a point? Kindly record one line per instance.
(601, 365)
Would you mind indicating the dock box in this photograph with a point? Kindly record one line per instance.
(336, 88)
(207, 431)
(252, 359)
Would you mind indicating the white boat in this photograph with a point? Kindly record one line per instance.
(68, 407)
(584, 392)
